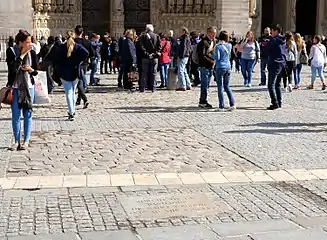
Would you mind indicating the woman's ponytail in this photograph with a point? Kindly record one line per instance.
(70, 43)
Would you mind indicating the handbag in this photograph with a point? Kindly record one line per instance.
(6, 95)
(304, 59)
(133, 76)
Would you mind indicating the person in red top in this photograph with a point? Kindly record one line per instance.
(164, 60)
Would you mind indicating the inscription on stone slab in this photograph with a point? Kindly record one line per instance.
(171, 205)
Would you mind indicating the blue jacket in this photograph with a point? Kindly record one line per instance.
(276, 50)
(68, 67)
(222, 55)
(128, 54)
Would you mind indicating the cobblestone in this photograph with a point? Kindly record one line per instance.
(71, 211)
(166, 131)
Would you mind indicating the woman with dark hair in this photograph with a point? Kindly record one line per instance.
(128, 58)
(22, 65)
(318, 60)
(223, 70)
(164, 60)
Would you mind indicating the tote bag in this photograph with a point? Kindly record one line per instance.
(41, 89)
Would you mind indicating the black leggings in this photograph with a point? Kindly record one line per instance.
(288, 73)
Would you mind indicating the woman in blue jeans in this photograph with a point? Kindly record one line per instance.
(68, 59)
(223, 70)
(22, 65)
(250, 55)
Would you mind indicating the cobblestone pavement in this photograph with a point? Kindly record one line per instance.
(164, 139)
(197, 212)
(133, 132)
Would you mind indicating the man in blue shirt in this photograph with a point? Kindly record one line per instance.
(96, 45)
(276, 51)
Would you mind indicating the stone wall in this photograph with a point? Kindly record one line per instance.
(15, 15)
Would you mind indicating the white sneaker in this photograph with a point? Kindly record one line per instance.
(290, 88)
(221, 110)
(231, 109)
(14, 146)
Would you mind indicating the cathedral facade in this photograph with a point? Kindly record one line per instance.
(52, 17)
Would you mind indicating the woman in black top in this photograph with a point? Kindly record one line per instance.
(22, 65)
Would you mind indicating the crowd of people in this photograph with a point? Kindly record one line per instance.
(190, 56)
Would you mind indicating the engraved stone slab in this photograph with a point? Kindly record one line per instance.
(172, 205)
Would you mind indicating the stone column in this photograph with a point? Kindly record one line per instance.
(15, 15)
(117, 18)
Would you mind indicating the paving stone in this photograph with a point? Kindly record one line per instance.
(309, 222)
(114, 235)
(177, 233)
(168, 179)
(64, 236)
(191, 178)
(236, 177)
(122, 180)
(236, 229)
(98, 180)
(302, 174)
(145, 179)
(286, 235)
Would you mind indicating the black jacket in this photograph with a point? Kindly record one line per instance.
(14, 63)
(185, 47)
(150, 44)
(205, 56)
(128, 55)
(104, 49)
(264, 41)
(114, 50)
(88, 46)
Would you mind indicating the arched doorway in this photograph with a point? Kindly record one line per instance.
(306, 17)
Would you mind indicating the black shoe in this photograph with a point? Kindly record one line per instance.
(161, 86)
(87, 90)
(205, 105)
(71, 117)
(323, 87)
(78, 103)
(272, 107)
(262, 84)
(86, 104)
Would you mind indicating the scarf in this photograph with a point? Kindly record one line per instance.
(22, 78)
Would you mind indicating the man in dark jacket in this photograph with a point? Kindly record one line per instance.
(205, 51)
(183, 53)
(47, 54)
(276, 50)
(264, 41)
(104, 55)
(82, 84)
(151, 47)
(120, 50)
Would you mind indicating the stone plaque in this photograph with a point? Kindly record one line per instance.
(171, 205)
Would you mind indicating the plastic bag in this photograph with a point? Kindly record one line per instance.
(41, 89)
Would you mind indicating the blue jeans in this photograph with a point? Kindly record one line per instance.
(183, 78)
(70, 89)
(274, 80)
(247, 66)
(315, 71)
(164, 73)
(205, 75)
(263, 67)
(223, 79)
(83, 75)
(297, 74)
(94, 68)
(16, 114)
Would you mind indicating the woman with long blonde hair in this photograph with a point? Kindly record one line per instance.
(68, 59)
(302, 59)
(291, 61)
(250, 55)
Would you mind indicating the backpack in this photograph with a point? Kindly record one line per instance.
(195, 55)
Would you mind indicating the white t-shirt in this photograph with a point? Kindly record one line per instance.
(319, 55)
